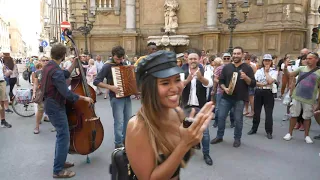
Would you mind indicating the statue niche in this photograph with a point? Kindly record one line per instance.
(170, 16)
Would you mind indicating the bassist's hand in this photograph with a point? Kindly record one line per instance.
(88, 99)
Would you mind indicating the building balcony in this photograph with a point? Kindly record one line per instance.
(105, 6)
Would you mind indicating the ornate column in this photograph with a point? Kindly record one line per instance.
(131, 15)
(212, 14)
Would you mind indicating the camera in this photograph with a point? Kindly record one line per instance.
(292, 63)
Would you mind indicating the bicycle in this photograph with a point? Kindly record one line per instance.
(23, 106)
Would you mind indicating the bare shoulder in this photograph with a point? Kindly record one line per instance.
(139, 149)
(137, 132)
(135, 125)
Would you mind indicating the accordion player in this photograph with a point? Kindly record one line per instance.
(124, 78)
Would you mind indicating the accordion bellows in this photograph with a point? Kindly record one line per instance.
(124, 78)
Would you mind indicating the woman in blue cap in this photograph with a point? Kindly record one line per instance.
(157, 144)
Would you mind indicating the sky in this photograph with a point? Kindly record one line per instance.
(27, 14)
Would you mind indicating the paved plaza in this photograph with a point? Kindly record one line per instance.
(25, 156)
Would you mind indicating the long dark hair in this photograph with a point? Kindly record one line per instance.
(8, 61)
(150, 112)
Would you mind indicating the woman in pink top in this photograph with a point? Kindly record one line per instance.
(91, 73)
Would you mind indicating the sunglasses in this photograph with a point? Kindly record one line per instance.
(226, 58)
(314, 53)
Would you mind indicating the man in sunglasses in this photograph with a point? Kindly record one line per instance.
(121, 107)
(304, 95)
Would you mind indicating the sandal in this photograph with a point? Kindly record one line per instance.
(36, 131)
(68, 165)
(250, 115)
(64, 174)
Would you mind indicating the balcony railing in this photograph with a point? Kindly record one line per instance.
(105, 6)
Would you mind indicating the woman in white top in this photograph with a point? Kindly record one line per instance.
(265, 78)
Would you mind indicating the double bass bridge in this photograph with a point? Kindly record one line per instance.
(92, 119)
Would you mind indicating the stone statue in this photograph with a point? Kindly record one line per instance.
(170, 15)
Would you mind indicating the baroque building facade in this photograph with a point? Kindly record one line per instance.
(273, 26)
(16, 43)
(4, 27)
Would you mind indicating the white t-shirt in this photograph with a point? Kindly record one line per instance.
(261, 77)
(193, 99)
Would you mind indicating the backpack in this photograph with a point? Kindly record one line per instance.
(120, 168)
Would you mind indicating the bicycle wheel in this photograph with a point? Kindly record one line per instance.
(24, 110)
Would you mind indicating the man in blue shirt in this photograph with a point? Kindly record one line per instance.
(56, 93)
(121, 107)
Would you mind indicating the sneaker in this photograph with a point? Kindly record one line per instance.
(301, 128)
(287, 137)
(8, 111)
(36, 131)
(5, 124)
(232, 125)
(308, 140)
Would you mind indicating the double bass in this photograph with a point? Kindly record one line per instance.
(86, 130)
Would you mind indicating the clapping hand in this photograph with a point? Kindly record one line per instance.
(193, 134)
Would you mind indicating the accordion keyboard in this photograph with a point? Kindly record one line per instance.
(117, 80)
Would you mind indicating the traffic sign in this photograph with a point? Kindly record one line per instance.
(65, 24)
(44, 43)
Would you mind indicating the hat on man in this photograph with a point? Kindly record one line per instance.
(180, 55)
(226, 54)
(267, 57)
(161, 64)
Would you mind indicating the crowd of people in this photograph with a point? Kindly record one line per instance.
(191, 85)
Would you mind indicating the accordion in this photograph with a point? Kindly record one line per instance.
(124, 78)
(233, 83)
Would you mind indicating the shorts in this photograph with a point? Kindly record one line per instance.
(251, 91)
(40, 107)
(297, 107)
(3, 91)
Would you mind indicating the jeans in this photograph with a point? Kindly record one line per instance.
(121, 110)
(58, 118)
(224, 107)
(206, 142)
(218, 99)
(263, 97)
(206, 135)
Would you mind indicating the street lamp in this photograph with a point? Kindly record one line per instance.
(233, 21)
(88, 20)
